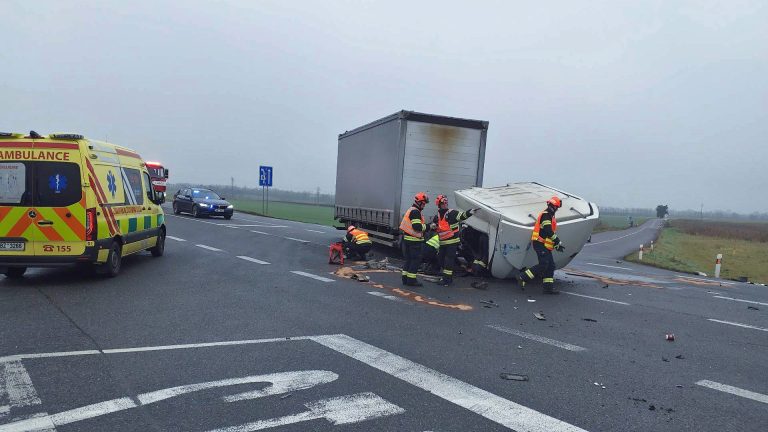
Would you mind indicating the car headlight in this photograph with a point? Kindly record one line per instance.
(203, 205)
(230, 206)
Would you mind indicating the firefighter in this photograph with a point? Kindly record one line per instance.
(447, 222)
(413, 227)
(544, 240)
(356, 244)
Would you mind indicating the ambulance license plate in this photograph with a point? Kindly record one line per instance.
(219, 210)
(11, 246)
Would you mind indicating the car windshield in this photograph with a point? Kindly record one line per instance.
(205, 194)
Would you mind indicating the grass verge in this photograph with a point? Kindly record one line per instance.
(321, 215)
(680, 251)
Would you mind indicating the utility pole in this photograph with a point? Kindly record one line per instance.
(701, 212)
(317, 198)
(232, 187)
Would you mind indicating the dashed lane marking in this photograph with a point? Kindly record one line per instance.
(389, 297)
(175, 238)
(740, 300)
(595, 298)
(609, 266)
(297, 240)
(310, 275)
(315, 231)
(260, 232)
(253, 225)
(254, 260)
(738, 324)
(538, 338)
(210, 248)
(734, 390)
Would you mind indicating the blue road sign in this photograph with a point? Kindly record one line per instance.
(265, 176)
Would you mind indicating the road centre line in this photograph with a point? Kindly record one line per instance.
(738, 324)
(617, 238)
(316, 231)
(260, 232)
(734, 390)
(706, 280)
(254, 260)
(537, 338)
(595, 298)
(210, 248)
(609, 266)
(253, 225)
(310, 275)
(741, 300)
(298, 240)
(477, 400)
(175, 238)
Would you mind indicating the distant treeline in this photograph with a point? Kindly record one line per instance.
(239, 192)
(687, 214)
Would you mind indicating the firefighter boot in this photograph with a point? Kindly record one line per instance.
(549, 286)
(405, 279)
(412, 281)
(445, 280)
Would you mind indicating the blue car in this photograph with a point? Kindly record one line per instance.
(201, 202)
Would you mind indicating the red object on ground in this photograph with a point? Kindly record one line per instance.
(336, 253)
(670, 337)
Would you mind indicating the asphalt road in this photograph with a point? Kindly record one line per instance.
(242, 326)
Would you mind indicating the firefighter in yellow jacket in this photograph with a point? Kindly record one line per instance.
(447, 222)
(412, 227)
(544, 239)
(356, 244)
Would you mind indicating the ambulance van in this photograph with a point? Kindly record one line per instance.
(66, 199)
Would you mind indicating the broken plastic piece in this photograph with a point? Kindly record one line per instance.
(589, 319)
(670, 337)
(540, 316)
(513, 377)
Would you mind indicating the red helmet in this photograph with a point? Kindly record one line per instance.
(421, 197)
(350, 228)
(441, 199)
(555, 202)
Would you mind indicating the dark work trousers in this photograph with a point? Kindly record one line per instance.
(412, 258)
(429, 256)
(546, 266)
(447, 258)
(357, 251)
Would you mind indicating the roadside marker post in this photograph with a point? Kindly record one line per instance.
(718, 261)
(651, 245)
(640, 255)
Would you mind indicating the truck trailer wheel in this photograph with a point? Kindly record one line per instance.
(15, 272)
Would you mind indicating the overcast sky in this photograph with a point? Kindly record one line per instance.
(626, 103)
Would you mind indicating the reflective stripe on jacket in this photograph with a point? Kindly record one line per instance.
(359, 236)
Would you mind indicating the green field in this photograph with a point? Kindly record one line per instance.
(322, 215)
(682, 251)
(617, 222)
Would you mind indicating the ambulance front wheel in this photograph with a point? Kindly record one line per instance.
(112, 267)
(159, 248)
(15, 272)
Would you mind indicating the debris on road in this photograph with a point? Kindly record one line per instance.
(361, 278)
(589, 319)
(637, 399)
(479, 285)
(701, 274)
(513, 377)
(664, 359)
(679, 386)
(752, 308)
(286, 396)
(531, 301)
(605, 286)
(679, 356)
(670, 337)
(350, 273)
(652, 407)
(519, 347)
(540, 316)
(489, 303)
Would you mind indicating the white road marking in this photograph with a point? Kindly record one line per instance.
(310, 275)
(740, 300)
(260, 232)
(706, 280)
(738, 324)
(210, 248)
(252, 260)
(254, 225)
(286, 382)
(479, 401)
(295, 239)
(614, 267)
(316, 231)
(595, 298)
(175, 238)
(538, 338)
(338, 411)
(734, 390)
(388, 297)
(618, 238)
(282, 382)
(16, 387)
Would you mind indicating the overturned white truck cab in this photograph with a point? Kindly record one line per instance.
(500, 234)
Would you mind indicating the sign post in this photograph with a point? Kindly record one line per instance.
(265, 181)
